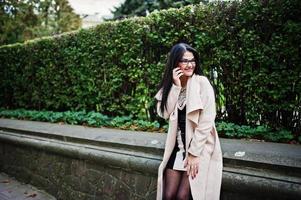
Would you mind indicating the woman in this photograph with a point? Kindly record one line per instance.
(192, 160)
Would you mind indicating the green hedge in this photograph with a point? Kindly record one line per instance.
(253, 47)
(93, 119)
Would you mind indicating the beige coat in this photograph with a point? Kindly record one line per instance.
(201, 137)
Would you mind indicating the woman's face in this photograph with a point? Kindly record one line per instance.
(187, 64)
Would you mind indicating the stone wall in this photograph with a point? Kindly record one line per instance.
(73, 178)
(76, 162)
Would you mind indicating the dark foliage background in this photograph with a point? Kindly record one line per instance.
(249, 50)
(130, 8)
(21, 20)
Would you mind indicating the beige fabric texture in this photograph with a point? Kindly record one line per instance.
(201, 137)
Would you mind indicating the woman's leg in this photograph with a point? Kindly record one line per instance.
(184, 188)
(172, 179)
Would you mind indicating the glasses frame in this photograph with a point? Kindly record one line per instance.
(186, 62)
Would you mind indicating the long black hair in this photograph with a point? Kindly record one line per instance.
(175, 55)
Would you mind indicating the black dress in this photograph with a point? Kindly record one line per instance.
(181, 128)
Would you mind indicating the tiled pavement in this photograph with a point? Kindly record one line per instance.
(11, 189)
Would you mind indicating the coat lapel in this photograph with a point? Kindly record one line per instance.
(194, 103)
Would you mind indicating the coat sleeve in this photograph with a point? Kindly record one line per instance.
(206, 119)
(171, 101)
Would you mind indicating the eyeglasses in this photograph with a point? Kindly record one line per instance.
(185, 62)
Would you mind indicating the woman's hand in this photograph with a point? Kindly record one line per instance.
(192, 165)
(176, 74)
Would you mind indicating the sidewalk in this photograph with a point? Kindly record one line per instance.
(10, 189)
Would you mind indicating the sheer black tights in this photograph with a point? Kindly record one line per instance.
(176, 185)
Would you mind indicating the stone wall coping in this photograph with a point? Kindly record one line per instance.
(68, 132)
(234, 150)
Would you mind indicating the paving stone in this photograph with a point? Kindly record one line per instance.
(11, 189)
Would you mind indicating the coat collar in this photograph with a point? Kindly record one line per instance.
(194, 102)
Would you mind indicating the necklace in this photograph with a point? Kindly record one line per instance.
(182, 98)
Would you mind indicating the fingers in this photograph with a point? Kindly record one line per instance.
(185, 162)
(176, 69)
(177, 72)
(180, 74)
(192, 165)
(197, 169)
(192, 170)
(188, 169)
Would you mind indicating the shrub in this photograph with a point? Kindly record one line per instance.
(252, 47)
(94, 119)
